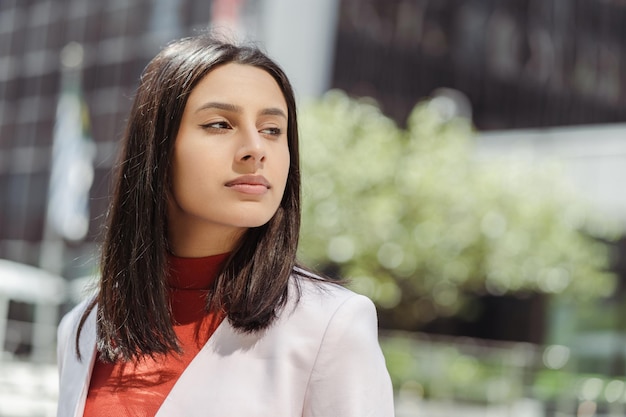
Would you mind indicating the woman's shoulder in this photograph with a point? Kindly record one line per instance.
(70, 320)
(68, 329)
(320, 296)
(347, 367)
(313, 286)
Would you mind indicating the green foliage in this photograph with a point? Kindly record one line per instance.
(477, 372)
(421, 227)
(452, 372)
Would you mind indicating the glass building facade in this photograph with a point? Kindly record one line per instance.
(118, 39)
(521, 63)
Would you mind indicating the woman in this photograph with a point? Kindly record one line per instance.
(201, 308)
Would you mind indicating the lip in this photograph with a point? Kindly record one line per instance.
(249, 184)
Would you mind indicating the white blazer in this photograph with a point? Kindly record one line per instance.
(321, 358)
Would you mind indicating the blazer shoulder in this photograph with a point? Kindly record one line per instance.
(74, 371)
(324, 301)
(68, 329)
(70, 320)
(348, 376)
(312, 288)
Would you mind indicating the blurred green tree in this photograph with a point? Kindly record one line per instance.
(418, 224)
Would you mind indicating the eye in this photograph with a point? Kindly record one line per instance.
(215, 126)
(271, 131)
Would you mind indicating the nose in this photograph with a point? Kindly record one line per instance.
(252, 147)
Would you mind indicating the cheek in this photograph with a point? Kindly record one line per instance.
(186, 174)
(284, 175)
(193, 163)
(285, 163)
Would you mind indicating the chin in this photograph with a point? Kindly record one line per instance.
(260, 223)
(249, 221)
(251, 218)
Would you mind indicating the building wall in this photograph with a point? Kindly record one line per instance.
(521, 63)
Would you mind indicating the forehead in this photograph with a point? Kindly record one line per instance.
(240, 83)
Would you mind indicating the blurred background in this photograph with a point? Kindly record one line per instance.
(463, 166)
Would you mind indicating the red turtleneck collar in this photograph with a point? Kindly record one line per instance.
(139, 389)
(190, 280)
(194, 273)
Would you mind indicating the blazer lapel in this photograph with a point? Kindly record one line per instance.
(182, 399)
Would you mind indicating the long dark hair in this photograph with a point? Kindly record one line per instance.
(133, 314)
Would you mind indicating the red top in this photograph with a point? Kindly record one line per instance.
(139, 389)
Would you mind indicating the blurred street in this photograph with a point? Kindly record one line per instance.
(28, 389)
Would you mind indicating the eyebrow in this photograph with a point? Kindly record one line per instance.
(233, 108)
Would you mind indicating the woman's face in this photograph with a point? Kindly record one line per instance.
(230, 160)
